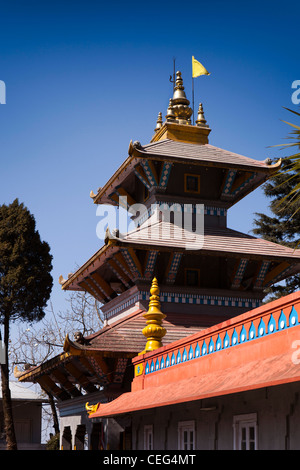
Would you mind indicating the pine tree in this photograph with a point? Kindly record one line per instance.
(284, 226)
(25, 285)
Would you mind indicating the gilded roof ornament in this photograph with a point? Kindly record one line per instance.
(201, 121)
(170, 116)
(154, 332)
(91, 408)
(180, 103)
(159, 122)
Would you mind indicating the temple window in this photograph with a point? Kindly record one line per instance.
(192, 277)
(245, 432)
(148, 437)
(186, 435)
(191, 183)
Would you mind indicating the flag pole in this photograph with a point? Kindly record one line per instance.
(193, 100)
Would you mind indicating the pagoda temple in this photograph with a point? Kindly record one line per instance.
(178, 189)
(206, 272)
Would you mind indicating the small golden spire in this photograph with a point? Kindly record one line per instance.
(170, 116)
(181, 107)
(158, 122)
(154, 332)
(201, 121)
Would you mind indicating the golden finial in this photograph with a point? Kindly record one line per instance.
(170, 116)
(201, 121)
(158, 122)
(181, 106)
(154, 317)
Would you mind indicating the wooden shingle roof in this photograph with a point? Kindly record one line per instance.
(206, 153)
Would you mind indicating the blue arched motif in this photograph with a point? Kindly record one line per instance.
(211, 346)
(282, 321)
(162, 363)
(226, 341)
(252, 332)
(173, 359)
(157, 364)
(234, 338)
(243, 335)
(293, 318)
(168, 361)
(147, 368)
(261, 328)
(271, 325)
(204, 348)
(152, 366)
(197, 351)
(184, 355)
(218, 343)
(178, 358)
(191, 353)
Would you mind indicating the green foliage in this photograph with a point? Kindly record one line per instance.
(53, 443)
(284, 226)
(25, 266)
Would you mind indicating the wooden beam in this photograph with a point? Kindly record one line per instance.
(121, 275)
(140, 173)
(65, 383)
(228, 182)
(149, 266)
(120, 260)
(120, 369)
(238, 273)
(241, 182)
(150, 172)
(80, 377)
(275, 272)
(95, 288)
(122, 192)
(165, 174)
(261, 274)
(102, 371)
(50, 386)
(172, 267)
(92, 291)
(133, 261)
(102, 284)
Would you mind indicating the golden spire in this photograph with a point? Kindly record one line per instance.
(180, 102)
(154, 317)
(201, 121)
(170, 116)
(158, 122)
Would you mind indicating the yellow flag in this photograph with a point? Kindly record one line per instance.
(198, 68)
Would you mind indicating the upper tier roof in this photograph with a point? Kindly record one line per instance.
(205, 154)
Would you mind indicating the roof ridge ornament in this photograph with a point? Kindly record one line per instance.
(170, 116)
(159, 122)
(201, 121)
(180, 103)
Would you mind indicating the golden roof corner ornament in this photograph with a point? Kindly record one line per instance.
(159, 122)
(91, 408)
(61, 280)
(201, 121)
(154, 332)
(17, 372)
(170, 116)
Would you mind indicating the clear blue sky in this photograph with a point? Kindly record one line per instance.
(83, 78)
